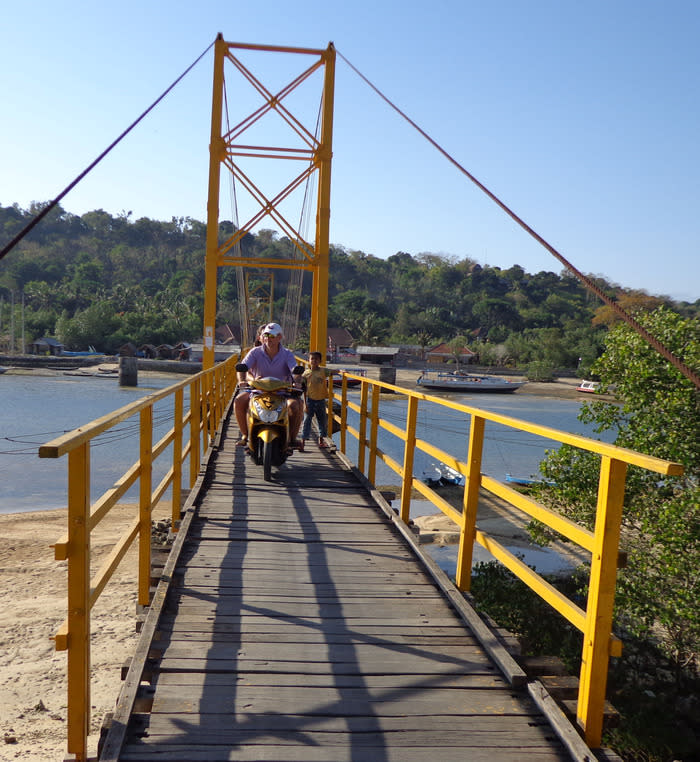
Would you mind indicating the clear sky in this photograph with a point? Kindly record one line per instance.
(584, 118)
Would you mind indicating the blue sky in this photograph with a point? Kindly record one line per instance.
(582, 117)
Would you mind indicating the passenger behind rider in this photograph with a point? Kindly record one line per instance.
(271, 359)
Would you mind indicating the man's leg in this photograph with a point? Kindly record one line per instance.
(240, 406)
(294, 406)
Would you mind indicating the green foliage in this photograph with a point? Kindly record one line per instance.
(514, 606)
(152, 273)
(540, 371)
(658, 413)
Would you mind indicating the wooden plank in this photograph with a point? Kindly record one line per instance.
(296, 636)
(336, 653)
(340, 702)
(251, 620)
(302, 681)
(307, 752)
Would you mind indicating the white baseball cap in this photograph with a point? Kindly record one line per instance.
(275, 329)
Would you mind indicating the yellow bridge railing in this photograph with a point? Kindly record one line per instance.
(596, 621)
(199, 404)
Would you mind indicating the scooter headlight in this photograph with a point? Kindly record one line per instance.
(267, 415)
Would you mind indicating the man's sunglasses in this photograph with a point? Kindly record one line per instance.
(271, 335)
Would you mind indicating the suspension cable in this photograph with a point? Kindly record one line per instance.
(30, 226)
(675, 361)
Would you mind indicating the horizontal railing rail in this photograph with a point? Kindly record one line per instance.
(199, 404)
(595, 621)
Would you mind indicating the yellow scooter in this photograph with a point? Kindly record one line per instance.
(269, 441)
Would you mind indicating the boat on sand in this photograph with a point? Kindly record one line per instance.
(457, 381)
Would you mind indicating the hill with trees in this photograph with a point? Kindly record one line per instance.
(101, 280)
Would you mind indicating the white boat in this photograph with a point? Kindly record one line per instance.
(466, 382)
(450, 476)
(590, 387)
(432, 475)
(439, 473)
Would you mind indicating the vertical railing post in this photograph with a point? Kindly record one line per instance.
(601, 600)
(206, 412)
(329, 408)
(362, 428)
(145, 487)
(220, 388)
(374, 426)
(195, 424)
(408, 453)
(177, 459)
(78, 715)
(344, 416)
(470, 503)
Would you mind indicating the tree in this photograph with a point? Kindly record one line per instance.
(457, 347)
(658, 414)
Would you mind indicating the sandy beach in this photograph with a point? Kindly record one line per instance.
(32, 673)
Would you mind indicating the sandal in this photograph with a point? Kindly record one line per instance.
(322, 444)
(242, 442)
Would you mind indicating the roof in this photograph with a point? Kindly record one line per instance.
(377, 351)
(341, 337)
(47, 340)
(444, 349)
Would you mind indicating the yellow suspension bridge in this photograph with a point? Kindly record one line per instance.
(299, 619)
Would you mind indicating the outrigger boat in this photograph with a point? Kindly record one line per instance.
(466, 382)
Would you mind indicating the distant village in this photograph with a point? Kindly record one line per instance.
(342, 348)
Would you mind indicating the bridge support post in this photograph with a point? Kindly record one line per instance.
(470, 504)
(128, 371)
(601, 600)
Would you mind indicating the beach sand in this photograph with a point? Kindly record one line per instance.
(33, 592)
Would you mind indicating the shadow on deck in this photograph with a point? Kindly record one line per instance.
(298, 620)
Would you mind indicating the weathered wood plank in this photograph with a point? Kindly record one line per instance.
(304, 751)
(298, 626)
(488, 680)
(333, 653)
(341, 702)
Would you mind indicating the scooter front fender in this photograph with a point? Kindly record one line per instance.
(267, 434)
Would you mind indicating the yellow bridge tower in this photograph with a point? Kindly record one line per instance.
(313, 148)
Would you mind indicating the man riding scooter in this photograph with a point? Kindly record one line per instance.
(273, 360)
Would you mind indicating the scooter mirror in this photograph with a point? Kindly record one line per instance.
(241, 368)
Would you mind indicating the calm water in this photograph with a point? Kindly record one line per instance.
(36, 409)
(505, 450)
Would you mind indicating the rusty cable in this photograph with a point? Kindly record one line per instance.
(654, 342)
(36, 220)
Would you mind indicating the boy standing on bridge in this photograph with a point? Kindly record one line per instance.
(316, 379)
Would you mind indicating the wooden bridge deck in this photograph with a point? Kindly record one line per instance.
(299, 625)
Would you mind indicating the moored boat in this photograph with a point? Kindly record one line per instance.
(439, 473)
(589, 387)
(525, 481)
(466, 382)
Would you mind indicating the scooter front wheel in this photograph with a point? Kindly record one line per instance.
(270, 449)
